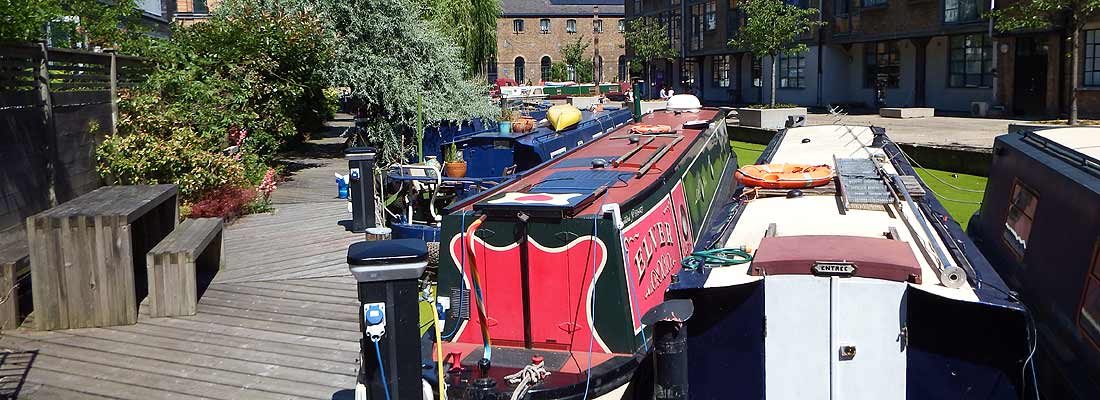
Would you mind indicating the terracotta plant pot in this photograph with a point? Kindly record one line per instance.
(455, 169)
(523, 125)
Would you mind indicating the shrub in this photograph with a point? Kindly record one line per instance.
(179, 159)
(227, 202)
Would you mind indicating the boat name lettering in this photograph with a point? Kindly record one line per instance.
(659, 235)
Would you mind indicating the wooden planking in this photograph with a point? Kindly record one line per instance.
(173, 264)
(286, 327)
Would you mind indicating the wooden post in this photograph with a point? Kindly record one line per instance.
(42, 81)
(114, 94)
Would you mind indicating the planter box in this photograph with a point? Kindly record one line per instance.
(910, 112)
(768, 118)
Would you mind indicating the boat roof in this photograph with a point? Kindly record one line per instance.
(816, 227)
(1085, 140)
(571, 178)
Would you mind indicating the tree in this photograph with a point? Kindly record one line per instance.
(472, 24)
(96, 23)
(648, 40)
(573, 55)
(1038, 14)
(773, 27)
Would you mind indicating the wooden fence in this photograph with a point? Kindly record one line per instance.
(56, 105)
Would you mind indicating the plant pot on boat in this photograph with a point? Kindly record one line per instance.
(453, 164)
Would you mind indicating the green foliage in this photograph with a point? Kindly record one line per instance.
(559, 72)
(452, 154)
(472, 24)
(250, 81)
(772, 27)
(573, 52)
(1039, 14)
(108, 24)
(648, 40)
(390, 57)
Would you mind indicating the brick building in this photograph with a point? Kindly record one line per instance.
(935, 53)
(530, 34)
(192, 11)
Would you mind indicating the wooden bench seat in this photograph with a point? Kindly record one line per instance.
(15, 267)
(182, 264)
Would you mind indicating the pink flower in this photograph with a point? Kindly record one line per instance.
(268, 185)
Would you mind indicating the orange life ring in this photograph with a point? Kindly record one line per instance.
(784, 176)
(642, 129)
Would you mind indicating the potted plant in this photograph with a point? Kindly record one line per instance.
(505, 121)
(453, 164)
(523, 124)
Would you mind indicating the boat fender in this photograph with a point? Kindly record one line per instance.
(805, 140)
(793, 193)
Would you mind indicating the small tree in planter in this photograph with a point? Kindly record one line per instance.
(453, 164)
(772, 27)
(648, 40)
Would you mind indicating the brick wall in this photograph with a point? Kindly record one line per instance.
(532, 45)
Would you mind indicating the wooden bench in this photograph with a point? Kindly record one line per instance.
(183, 264)
(15, 268)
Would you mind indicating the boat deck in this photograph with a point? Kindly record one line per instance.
(278, 322)
(1082, 139)
(822, 214)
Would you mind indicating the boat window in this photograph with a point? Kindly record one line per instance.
(1021, 215)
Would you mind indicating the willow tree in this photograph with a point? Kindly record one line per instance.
(1040, 14)
(773, 27)
(472, 24)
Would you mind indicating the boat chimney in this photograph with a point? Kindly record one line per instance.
(670, 358)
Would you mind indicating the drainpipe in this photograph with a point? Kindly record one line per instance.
(996, 50)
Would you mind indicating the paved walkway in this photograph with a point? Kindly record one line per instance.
(279, 321)
(936, 131)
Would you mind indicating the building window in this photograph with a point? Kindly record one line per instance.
(622, 26)
(881, 65)
(544, 25)
(697, 27)
(491, 70)
(1021, 215)
(675, 29)
(597, 26)
(1088, 320)
(711, 15)
(971, 61)
(570, 26)
(687, 75)
(960, 10)
(199, 7)
(637, 7)
(674, 2)
(792, 70)
(622, 69)
(733, 21)
(874, 3)
(519, 70)
(720, 71)
(544, 67)
(840, 7)
(517, 25)
(1092, 58)
(757, 72)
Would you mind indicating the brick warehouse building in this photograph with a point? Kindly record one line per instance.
(935, 53)
(530, 34)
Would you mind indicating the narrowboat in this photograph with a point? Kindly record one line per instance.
(862, 288)
(554, 271)
(1039, 224)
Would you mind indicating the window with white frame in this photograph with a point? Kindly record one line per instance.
(1092, 58)
(622, 26)
(710, 16)
(517, 25)
(792, 70)
(544, 25)
(570, 26)
(597, 26)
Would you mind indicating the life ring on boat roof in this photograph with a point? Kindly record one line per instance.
(642, 129)
(784, 176)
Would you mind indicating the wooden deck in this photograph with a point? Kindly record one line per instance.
(279, 321)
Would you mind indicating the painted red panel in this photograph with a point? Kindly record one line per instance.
(655, 245)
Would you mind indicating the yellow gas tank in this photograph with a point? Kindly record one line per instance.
(563, 116)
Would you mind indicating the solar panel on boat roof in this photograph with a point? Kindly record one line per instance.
(578, 181)
(861, 182)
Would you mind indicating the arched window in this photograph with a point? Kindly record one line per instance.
(491, 69)
(545, 66)
(622, 68)
(597, 75)
(519, 70)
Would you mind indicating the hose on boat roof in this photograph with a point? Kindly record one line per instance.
(720, 257)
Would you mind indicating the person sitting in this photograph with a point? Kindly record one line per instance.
(666, 93)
